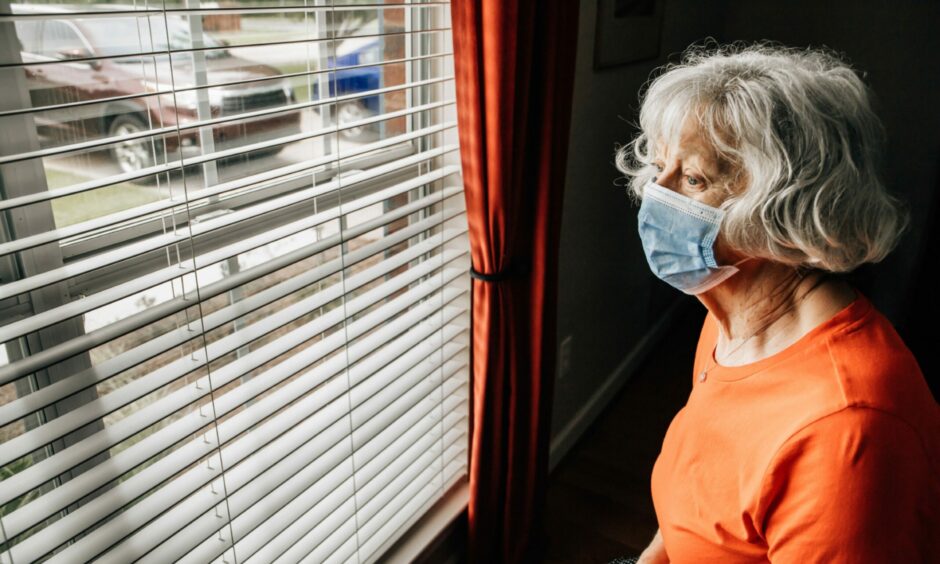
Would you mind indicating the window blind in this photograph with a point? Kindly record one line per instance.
(234, 301)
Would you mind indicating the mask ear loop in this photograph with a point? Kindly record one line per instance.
(742, 261)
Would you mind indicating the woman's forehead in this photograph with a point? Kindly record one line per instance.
(689, 142)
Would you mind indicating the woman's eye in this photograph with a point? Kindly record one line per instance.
(692, 181)
(659, 167)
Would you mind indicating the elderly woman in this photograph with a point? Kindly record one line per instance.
(810, 434)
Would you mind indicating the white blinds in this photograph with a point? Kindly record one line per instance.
(233, 279)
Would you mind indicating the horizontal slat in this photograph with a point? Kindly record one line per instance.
(57, 353)
(175, 164)
(335, 550)
(314, 528)
(390, 404)
(174, 51)
(180, 429)
(268, 539)
(371, 495)
(256, 480)
(455, 379)
(311, 544)
(53, 466)
(405, 487)
(66, 15)
(220, 154)
(447, 394)
(453, 475)
(107, 258)
(153, 475)
(368, 391)
(297, 538)
(378, 118)
(415, 508)
(415, 495)
(329, 496)
(199, 199)
(417, 470)
(71, 309)
(298, 418)
(114, 293)
(387, 484)
(27, 442)
(107, 11)
(155, 133)
(303, 166)
(155, 512)
(415, 418)
(221, 84)
(380, 415)
(81, 476)
(324, 459)
(32, 402)
(329, 101)
(307, 414)
(305, 495)
(152, 382)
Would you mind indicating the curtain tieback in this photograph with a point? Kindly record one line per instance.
(518, 267)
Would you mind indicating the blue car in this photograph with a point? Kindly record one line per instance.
(355, 52)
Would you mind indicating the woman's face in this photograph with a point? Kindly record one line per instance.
(691, 166)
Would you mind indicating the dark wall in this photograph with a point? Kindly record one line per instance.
(608, 298)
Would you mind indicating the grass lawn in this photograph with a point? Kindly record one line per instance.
(96, 203)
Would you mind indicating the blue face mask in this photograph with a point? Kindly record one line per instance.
(678, 234)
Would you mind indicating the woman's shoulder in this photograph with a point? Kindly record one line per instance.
(872, 363)
(873, 369)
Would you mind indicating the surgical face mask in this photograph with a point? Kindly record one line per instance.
(678, 235)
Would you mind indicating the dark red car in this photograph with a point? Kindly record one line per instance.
(114, 74)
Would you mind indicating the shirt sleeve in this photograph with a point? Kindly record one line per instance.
(854, 486)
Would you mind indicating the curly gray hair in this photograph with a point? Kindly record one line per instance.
(797, 127)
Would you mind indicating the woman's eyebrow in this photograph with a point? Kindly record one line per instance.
(700, 160)
(702, 157)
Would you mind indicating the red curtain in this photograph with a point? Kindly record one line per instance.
(514, 69)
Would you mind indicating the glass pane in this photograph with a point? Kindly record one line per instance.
(241, 285)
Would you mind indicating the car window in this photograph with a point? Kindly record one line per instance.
(127, 36)
(28, 33)
(58, 38)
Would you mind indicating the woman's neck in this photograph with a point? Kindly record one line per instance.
(766, 307)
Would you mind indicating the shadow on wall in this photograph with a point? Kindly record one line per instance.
(921, 312)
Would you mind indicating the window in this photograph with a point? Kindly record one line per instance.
(234, 301)
(60, 39)
(27, 32)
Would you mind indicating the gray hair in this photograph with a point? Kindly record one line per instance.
(797, 127)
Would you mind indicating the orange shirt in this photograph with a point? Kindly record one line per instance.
(828, 451)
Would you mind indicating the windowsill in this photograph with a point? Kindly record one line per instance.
(428, 530)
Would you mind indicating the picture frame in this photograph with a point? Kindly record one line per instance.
(628, 31)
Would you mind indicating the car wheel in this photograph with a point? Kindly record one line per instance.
(348, 113)
(133, 154)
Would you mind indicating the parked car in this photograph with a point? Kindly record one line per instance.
(122, 85)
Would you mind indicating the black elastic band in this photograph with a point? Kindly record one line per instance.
(513, 268)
